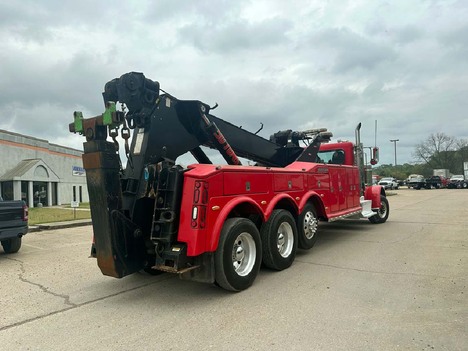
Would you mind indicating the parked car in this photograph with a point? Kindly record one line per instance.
(389, 183)
(436, 182)
(13, 224)
(457, 182)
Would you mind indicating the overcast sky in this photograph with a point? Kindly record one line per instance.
(288, 64)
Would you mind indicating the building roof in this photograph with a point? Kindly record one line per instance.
(33, 141)
(25, 170)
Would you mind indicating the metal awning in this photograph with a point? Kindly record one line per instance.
(30, 170)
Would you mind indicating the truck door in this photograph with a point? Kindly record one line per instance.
(338, 183)
(343, 191)
(353, 187)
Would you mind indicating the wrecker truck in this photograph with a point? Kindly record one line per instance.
(206, 222)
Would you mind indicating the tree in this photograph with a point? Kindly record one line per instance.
(438, 151)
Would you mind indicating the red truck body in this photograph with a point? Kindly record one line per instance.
(333, 189)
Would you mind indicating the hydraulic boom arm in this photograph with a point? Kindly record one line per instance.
(164, 129)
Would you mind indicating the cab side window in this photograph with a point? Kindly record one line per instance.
(335, 157)
(338, 157)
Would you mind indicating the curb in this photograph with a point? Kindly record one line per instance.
(59, 225)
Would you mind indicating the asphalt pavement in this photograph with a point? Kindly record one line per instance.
(394, 286)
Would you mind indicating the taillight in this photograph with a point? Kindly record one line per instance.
(200, 200)
(25, 213)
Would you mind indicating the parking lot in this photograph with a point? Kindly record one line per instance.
(398, 285)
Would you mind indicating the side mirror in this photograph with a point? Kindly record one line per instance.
(375, 156)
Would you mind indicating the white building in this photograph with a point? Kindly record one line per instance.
(39, 172)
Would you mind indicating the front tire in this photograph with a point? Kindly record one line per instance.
(279, 240)
(11, 245)
(382, 213)
(239, 254)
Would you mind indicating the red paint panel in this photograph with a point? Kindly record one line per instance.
(288, 182)
(236, 183)
(319, 181)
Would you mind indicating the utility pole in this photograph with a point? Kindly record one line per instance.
(394, 141)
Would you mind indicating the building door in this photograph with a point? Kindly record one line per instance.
(40, 193)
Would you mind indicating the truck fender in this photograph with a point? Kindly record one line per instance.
(314, 198)
(223, 215)
(373, 193)
(276, 200)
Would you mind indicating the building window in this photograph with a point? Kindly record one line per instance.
(41, 171)
(54, 193)
(74, 193)
(7, 191)
(81, 193)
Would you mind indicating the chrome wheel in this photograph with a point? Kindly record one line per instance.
(239, 254)
(310, 225)
(279, 240)
(382, 210)
(382, 213)
(243, 254)
(285, 239)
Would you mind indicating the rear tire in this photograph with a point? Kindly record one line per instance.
(11, 245)
(279, 240)
(307, 226)
(382, 213)
(239, 254)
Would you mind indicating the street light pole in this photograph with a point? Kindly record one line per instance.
(394, 141)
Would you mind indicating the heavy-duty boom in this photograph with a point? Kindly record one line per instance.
(206, 222)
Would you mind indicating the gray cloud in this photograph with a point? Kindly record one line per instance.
(287, 65)
(352, 51)
(231, 37)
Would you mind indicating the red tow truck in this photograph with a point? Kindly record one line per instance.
(207, 222)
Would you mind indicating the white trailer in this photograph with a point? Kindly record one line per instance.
(442, 172)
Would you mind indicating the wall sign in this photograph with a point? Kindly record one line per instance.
(78, 171)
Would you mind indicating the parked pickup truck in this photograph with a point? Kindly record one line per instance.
(415, 181)
(418, 182)
(13, 224)
(457, 181)
(389, 183)
(436, 182)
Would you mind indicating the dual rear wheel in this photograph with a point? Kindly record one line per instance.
(242, 247)
(279, 240)
(239, 254)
